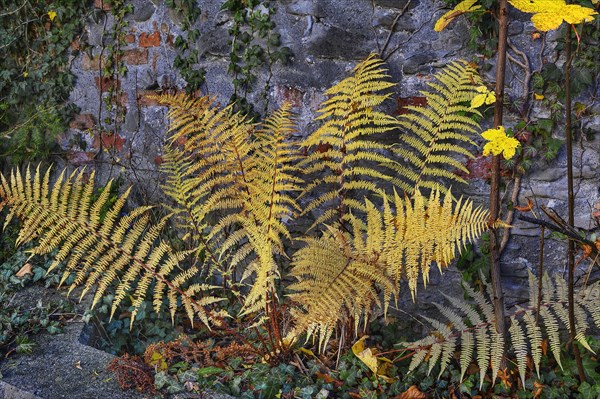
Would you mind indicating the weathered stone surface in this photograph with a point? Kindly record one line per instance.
(395, 3)
(303, 7)
(142, 10)
(334, 42)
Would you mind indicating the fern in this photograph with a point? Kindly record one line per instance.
(240, 173)
(525, 333)
(340, 152)
(115, 249)
(340, 274)
(437, 136)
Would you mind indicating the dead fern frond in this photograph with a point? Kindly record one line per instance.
(99, 248)
(474, 324)
(437, 136)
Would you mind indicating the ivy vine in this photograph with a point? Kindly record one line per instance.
(37, 39)
(254, 44)
(114, 67)
(187, 58)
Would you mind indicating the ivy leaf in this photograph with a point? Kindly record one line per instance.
(461, 8)
(550, 14)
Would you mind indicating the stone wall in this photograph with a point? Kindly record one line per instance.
(327, 38)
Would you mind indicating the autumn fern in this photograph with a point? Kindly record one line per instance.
(340, 274)
(473, 323)
(436, 138)
(101, 247)
(233, 179)
(342, 155)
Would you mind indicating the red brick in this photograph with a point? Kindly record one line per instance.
(136, 56)
(404, 102)
(123, 99)
(102, 4)
(289, 94)
(83, 122)
(129, 38)
(109, 140)
(106, 83)
(145, 99)
(150, 40)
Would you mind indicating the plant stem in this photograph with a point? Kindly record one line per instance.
(495, 272)
(571, 205)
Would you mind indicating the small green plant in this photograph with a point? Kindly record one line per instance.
(37, 39)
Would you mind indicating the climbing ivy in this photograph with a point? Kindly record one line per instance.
(187, 57)
(254, 44)
(114, 67)
(37, 39)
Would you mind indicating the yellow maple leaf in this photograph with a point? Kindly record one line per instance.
(461, 8)
(52, 14)
(499, 143)
(550, 14)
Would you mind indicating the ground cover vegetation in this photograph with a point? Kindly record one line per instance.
(271, 310)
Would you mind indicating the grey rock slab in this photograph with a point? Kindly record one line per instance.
(62, 365)
(142, 10)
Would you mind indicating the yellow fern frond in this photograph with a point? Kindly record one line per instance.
(99, 251)
(339, 274)
(435, 135)
(240, 174)
(341, 149)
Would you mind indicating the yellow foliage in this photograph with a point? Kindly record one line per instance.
(340, 274)
(342, 148)
(550, 14)
(436, 137)
(499, 143)
(461, 8)
(485, 96)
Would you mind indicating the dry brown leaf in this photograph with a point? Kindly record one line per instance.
(412, 393)
(77, 365)
(25, 270)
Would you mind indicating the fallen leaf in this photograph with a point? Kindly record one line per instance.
(538, 97)
(77, 365)
(378, 365)
(412, 393)
(538, 389)
(25, 270)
